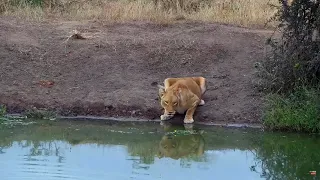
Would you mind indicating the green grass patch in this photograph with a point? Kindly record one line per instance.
(298, 111)
(9, 121)
(36, 113)
(3, 110)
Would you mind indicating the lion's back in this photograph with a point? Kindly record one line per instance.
(191, 84)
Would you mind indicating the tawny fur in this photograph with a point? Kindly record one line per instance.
(177, 147)
(180, 95)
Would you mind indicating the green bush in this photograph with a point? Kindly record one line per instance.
(295, 57)
(292, 69)
(298, 111)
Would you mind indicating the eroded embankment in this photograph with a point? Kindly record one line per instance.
(111, 71)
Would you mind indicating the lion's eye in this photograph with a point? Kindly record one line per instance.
(175, 103)
(166, 102)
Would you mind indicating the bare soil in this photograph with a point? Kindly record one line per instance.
(112, 72)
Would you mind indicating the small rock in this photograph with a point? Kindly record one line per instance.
(133, 112)
(204, 116)
(109, 107)
(154, 83)
(215, 87)
(214, 98)
(184, 63)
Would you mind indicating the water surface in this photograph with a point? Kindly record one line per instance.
(95, 150)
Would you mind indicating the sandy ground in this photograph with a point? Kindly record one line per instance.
(112, 71)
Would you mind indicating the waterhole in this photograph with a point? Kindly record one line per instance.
(100, 151)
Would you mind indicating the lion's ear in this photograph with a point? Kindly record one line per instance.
(161, 90)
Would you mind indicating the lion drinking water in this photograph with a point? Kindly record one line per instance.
(181, 142)
(181, 95)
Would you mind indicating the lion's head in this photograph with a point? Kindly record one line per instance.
(170, 98)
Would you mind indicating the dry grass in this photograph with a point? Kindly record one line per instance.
(238, 12)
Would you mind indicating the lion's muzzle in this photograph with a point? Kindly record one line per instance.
(171, 113)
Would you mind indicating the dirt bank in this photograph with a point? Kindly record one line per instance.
(110, 73)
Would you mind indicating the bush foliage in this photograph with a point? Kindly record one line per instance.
(295, 57)
(291, 71)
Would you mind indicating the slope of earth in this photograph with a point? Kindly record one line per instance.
(111, 72)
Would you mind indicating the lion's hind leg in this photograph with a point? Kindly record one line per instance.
(201, 81)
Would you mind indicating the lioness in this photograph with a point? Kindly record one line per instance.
(180, 146)
(181, 95)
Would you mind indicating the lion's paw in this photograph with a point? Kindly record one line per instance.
(164, 117)
(201, 103)
(188, 121)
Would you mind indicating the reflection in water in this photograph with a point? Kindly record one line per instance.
(179, 145)
(66, 150)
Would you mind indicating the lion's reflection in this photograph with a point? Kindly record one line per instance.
(179, 145)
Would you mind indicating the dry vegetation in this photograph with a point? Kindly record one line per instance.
(238, 12)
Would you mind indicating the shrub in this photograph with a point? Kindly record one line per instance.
(295, 57)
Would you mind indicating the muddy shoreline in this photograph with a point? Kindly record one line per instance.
(110, 73)
(112, 120)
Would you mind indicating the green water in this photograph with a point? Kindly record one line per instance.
(95, 151)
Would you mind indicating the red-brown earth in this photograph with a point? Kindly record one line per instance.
(111, 73)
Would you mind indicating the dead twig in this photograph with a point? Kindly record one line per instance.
(75, 35)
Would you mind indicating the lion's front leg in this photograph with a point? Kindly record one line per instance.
(189, 114)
